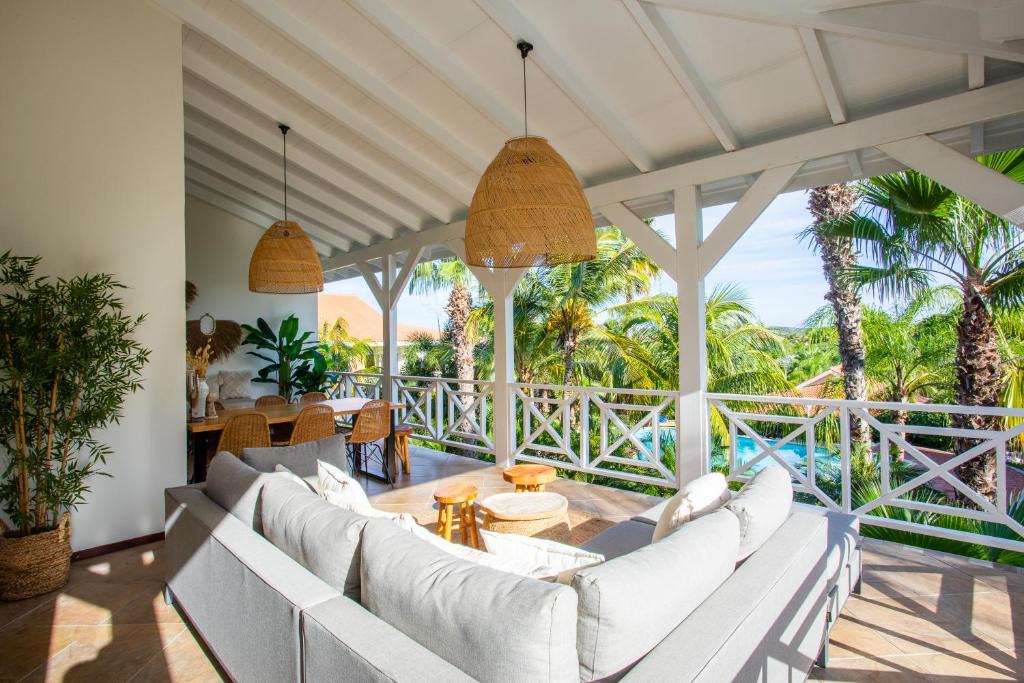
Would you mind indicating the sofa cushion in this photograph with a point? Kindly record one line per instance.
(236, 487)
(762, 506)
(301, 458)
(621, 539)
(338, 488)
(493, 625)
(549, 559)
(321, 537)
(701, 496)
(627, 605)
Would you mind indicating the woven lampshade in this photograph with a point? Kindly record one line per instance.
(285, 262)
(529, 210)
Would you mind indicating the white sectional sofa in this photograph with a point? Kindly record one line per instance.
(284, 586)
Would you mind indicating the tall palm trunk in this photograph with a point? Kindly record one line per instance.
(459, 308)
(979, 373)
(837, 255)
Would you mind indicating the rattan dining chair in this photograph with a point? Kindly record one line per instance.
(372, 425)
(313, 397)
(271, 400)
(246, 430)
(314, 422)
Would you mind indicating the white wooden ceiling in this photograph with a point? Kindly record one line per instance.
(397, 106)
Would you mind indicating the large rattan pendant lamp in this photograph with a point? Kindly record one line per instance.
(529, 208)
(285, 260)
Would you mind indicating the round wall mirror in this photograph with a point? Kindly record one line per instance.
(207, 324)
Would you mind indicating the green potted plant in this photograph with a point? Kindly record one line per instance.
(67, 361)
(290, 357)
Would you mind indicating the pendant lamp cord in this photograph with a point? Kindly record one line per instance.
(524, 50)
(284, 163)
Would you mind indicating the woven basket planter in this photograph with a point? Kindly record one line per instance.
(35, 564)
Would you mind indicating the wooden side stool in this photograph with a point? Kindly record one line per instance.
(529, 477)
(449, 498)
(402, 434)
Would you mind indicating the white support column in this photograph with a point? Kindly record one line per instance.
(504, 284)
(692, 439)
(987, 188)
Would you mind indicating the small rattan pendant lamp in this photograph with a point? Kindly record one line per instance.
(529, 208)
(285, 260)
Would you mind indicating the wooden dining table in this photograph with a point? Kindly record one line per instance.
(206, 432)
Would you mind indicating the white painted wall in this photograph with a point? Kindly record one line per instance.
(92, 180)
(218, 247)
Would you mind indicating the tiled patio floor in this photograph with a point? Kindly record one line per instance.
(923, 616)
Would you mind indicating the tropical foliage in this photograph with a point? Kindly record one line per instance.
(294, 363)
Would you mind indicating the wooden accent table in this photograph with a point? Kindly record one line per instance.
(462, 496)
(538, 514)
(529, 477)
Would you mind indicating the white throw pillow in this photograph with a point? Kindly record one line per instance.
(338, 488)
(550, 559)
(701, 496)
(762, 506)
(285, 472)
(512, 565)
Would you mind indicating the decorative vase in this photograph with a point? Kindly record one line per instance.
(202, 390)
(34, 564)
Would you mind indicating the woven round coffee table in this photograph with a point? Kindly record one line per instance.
(529, 477)
(537, 514)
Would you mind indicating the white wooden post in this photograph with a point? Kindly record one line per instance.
(691, 420)
(504, 364)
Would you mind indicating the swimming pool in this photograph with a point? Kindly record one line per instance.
(747, 449)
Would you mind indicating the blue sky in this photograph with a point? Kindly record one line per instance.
(780, 274)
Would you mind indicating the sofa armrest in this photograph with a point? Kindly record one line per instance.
(341, 639)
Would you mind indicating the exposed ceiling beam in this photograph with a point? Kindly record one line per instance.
(243, 211)
(940, 28)
(312, 92)
(821, 65)
(956, 111)
(545, 55)
(272, 188)
(266, 206)
(672, 54)
(1004, 23)
(975, 80)
(742, 215)
(420, 195)
(437, 59)
(205, 115)
(276, 15)
(990, 189)
(199, 131)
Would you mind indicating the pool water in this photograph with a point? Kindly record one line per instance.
(747, 449)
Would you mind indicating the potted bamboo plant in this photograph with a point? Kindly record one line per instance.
(68, 359)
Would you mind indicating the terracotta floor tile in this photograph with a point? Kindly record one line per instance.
(182, 661)
(875, 669)
(971, 667)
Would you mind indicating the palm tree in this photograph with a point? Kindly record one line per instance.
(827, 203)
(620, 271)
(342, 351)
(453, 275)
(643, 341)
(916, 231)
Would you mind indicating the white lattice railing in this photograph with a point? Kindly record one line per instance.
(361, 384)
(618, 433)
(798, 427)
(447, 411)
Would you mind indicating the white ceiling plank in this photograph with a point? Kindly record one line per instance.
(672, 54)
(975, 80)
(985, 187)
(644, 236)
(823, 74)
(243, 211)
(264, 205)
(927, 26)
(439, 61)
(508, 17)
(417, 195)
(739, 219)
(302, 86)
(198, 106)
(956, 111)
(273, 189)
(301, 33)
(437, 235)
(1003, 23)
(201, 136)
(412, 257)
